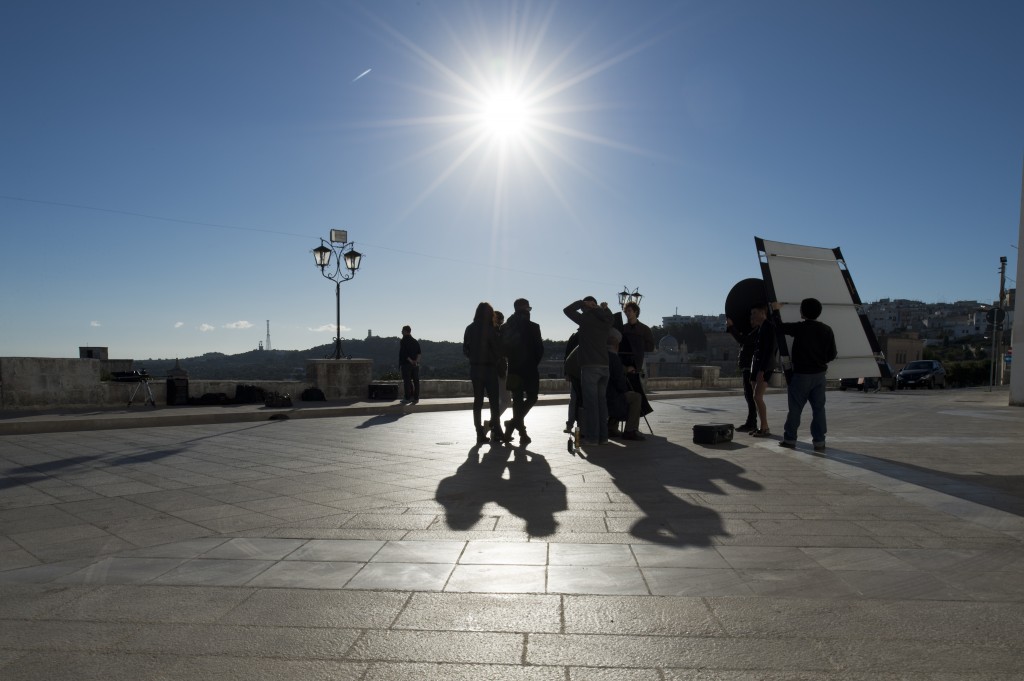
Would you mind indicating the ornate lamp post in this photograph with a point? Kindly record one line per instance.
(344, 255)
(626, 297)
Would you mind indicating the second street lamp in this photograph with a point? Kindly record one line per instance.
(626, 297)
(346, 260)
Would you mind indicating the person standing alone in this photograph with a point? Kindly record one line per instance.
(524, 348)
(814, 346)
(409, 361)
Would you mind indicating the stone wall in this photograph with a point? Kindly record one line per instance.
(36, 383)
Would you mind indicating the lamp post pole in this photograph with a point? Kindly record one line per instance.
(338, 261)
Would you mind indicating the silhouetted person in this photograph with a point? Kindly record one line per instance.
(762, 364)
(480, 345)
(409, 361)
(623, 401)
(594, 321)
(524, 348)
(814, 346)
(748, 341)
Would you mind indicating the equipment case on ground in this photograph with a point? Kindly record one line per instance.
(712, 433)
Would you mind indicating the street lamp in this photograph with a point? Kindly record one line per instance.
(346, 261)
(626, 297)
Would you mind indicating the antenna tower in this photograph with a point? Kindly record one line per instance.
(268, 334)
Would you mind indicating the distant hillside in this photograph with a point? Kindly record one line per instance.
(441, 359)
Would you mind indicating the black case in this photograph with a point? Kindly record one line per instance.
(712, 433)
(383, 391)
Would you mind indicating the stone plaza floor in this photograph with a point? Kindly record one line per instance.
(389, 545)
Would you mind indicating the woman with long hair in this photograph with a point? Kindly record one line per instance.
(762, 364)
(480, 345)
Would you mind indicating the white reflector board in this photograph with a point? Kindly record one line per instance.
(792, 273)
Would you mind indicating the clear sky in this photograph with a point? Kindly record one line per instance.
(166, 167)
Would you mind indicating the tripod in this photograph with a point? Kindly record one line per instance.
(143, 382)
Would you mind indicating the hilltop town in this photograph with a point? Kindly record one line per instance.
(906, 329)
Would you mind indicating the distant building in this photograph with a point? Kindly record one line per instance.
(706, 322)
(92, 353)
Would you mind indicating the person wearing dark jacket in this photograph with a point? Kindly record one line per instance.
(623, 401)
(480, 346)
(814, 346)
(409, 361)
(524, 348)
(637, 340)
(748, 341)
(594, 321)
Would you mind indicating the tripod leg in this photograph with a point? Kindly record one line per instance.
(131, 397)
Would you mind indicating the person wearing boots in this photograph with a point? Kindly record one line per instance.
(480, 346)
(748, 341)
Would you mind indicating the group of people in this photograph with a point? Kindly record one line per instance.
(814, 346)
(604, 366)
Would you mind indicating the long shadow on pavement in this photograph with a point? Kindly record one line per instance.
(530, 491)
(1001, 492)
(646, 473)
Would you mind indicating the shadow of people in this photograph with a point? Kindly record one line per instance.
(529, 490)
(380, 420)
(533, 493)
(649, 475)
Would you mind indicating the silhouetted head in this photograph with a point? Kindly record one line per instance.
(810, 308)
(484, 314)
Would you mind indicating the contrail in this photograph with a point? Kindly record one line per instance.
(361, 75)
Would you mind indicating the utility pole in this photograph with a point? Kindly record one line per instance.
(998, 314)
(1002, 306)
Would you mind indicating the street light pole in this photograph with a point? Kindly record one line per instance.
(998, 314)
(340, 252)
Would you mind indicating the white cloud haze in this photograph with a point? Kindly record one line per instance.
(328, 328)
(94, 323)
(206, 327)
(239, 325)
(178, 325)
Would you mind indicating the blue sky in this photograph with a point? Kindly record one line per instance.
(167, 167)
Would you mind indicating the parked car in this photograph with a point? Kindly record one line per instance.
(870, 383)
(928, 373)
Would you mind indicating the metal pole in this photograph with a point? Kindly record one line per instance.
(337, 302)
(998, 332)
(992, 368)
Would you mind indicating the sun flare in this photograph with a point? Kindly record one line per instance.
(505, 115)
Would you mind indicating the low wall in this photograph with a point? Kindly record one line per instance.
(36, 383)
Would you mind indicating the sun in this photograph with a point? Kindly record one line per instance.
(505, 115)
